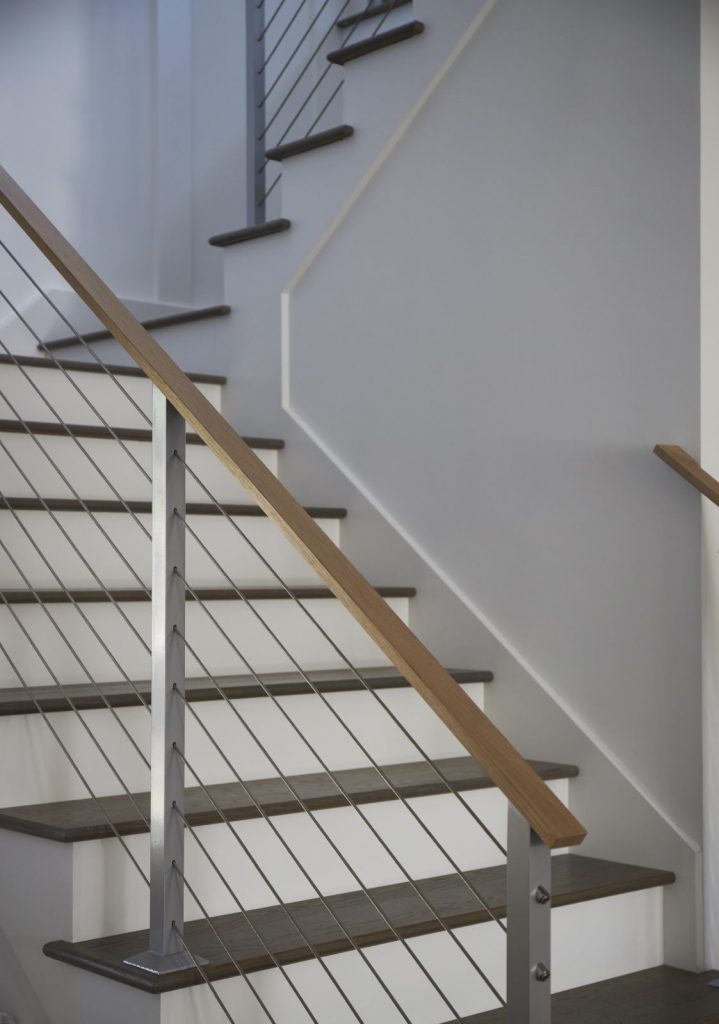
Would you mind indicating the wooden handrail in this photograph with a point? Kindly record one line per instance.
(689, 468)
(551, 820)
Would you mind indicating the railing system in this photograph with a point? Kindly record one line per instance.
(292, 90)
(538, 821)
(683, 464)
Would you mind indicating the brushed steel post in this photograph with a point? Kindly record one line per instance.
(167, 952)
(529, 901)
(255, 88)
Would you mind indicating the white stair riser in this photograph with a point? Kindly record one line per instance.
(100, 909)
(234, 558)
(34, 769)
(107, 458)
(217, 655)
(590, 942)
(75, 404)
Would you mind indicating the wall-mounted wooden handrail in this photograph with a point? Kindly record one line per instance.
(530, 795)
(689, 468)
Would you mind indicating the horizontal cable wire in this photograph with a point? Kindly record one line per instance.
(313, 817)
(335, 647)
(96, 799)
(87, 510)
(281, 39)
(278, 964)
(79, 390)
(270, 90)
(443, 926)
(60, 686)
(62, 636)
(88, 348)
(266, 879)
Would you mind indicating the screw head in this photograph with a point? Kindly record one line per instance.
(542, 972)
(542, 895)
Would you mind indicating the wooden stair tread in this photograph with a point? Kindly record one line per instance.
(661, 995)
(373, 43)
(270, 227)
(41, 363)
(375, 11)
(310, 142)
(192, 508)
(187, 316)
(92, 430)
(17, 701)
(135, 594)
(73, 821)
(575, 879)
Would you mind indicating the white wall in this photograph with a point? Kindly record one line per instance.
(710, 460)
(124, 120)
(509, 315)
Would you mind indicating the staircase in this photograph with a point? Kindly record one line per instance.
(345, 856)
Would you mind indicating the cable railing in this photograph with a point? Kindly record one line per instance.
(292, 90)
(189, 629)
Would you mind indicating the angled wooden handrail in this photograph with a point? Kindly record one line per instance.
(689, 468)
(534, 800)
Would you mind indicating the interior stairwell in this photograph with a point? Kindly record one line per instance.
(345, 847)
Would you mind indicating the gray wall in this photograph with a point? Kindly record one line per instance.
(509, 319)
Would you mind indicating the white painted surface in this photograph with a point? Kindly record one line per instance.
(550, 348)
(710, 461)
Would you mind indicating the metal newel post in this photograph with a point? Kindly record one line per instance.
(255, 61)
(167, 952)
(529, 880)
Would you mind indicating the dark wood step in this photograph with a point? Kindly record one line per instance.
(122, 433)
(270, 227)
(662, 995)
(189, 316)
(374, 11)
(17, 700)
(192, 508)
(41, 363)
(75, 821)
(310, 142)
(373, 43)
(134, 595)
(574, 880)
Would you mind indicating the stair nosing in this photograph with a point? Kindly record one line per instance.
(85, 697)
(157, 323)
(362, 48)
(310, 143)
(248, 234)
(576, 879)
(192, 508)
(316, 792)
(372, 12)
(73, 365)
(134, 595)
(98, 432)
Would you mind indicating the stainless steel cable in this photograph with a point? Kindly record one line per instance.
(73, 707)
(324, 109)
(203, 973)
(273, 889)
(88, 348)
(269, 23)
(85, 508)
(383, 19)
(41, 711)
(281, 39)
(335, 647)
(278, 964)
(31, 589)
(271, 88)
(322, 831)
(410, 881)
(79, 390)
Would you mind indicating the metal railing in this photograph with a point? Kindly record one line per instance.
(292, 90)
(171, 645)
